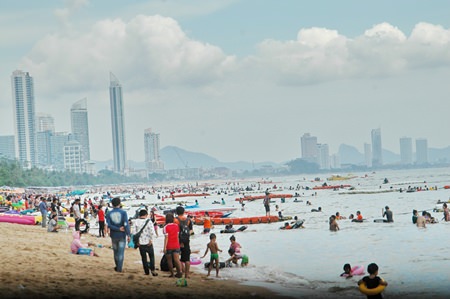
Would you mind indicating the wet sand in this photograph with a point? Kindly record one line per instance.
(37, 264)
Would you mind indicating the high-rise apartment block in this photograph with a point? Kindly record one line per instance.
(406, 152)
(421, 151)
(45, 122)
(377, 150)
(309, 148)
(153, 162)
(7, 147)
(24, 117)
(323, 156)
(368, 154)
(80, 127)
(117, 123)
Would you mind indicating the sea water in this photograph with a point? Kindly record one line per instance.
(414, 261)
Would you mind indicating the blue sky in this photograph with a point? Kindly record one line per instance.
(239, 80)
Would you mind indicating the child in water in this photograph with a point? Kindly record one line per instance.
(347, 271)
(212, 245)
(372, 280)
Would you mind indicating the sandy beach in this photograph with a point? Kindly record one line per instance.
(38, 264)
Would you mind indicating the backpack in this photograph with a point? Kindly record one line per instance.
(184, 229)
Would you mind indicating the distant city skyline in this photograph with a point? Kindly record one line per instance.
(210, 82)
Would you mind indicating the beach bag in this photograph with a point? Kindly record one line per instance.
(164, 265)
(184, 230)
(138, 235)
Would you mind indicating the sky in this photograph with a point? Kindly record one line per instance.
(240, 80)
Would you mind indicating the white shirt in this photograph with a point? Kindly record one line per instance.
(76, 211)
(147, 234)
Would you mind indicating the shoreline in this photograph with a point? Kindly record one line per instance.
(38, 264)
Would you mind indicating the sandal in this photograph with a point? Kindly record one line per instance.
(179, 275)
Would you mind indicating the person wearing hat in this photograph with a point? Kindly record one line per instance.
(388, 213)
(77, 213)
(53, 224)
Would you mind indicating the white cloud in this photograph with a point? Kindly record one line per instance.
(147, 51)
(320, 54)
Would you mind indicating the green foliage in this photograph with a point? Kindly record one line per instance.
(301, 166)
(12, 174)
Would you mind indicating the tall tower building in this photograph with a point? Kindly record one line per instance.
(406, 152)
(323, 157)
(7, 148)
(80, 127)
(45, 122)
(24, 117)
(421, 151)
(377, 155)
(152, 158)
(309, 148)
(368, 154)
(117, 123)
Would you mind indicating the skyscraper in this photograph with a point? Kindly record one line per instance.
(24, 117)
(152, 158)
(117, 123)
(368, 154)
(7, 148)
(309, 148)
(80, 127)
(323, 157)
(406, 152)
(377, 155)
(421, 151)
(45, 122)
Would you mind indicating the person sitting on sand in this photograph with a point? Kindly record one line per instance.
(53, 224)
(76, 245)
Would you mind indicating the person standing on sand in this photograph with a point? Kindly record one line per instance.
(101, 221)
(77, 213)
(172, 245)
(119, 230)
(145, 241)
(267, 203)
(43, 210)
(185, 231)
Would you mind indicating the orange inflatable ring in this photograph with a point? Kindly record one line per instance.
(370, 292)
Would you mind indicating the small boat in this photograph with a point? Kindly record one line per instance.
(243, 220)
(271, 195)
